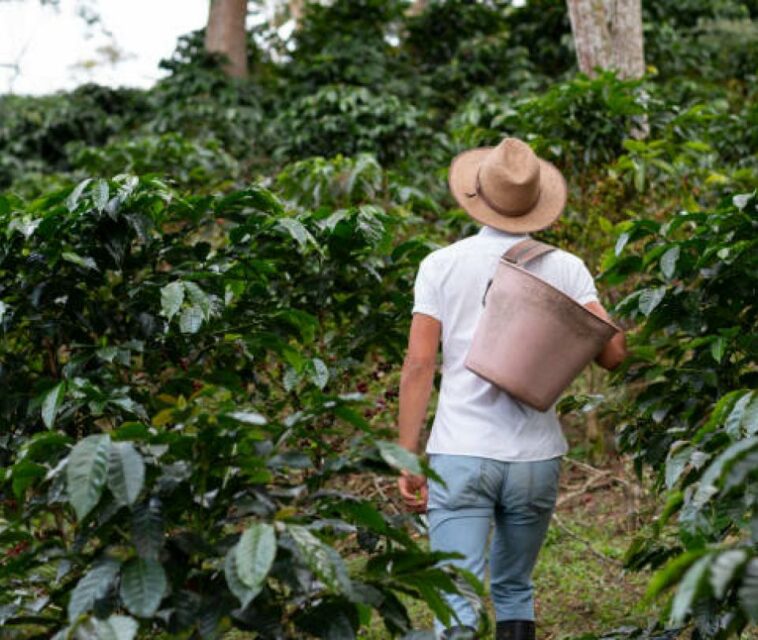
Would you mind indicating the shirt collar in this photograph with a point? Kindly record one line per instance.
(487, 231)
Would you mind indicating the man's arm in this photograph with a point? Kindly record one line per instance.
(416, 382)
(614, 352)
(417, 378)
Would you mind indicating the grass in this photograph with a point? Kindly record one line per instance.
(580, 586)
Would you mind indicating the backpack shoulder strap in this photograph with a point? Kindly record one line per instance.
(520, 254)
(525, 251)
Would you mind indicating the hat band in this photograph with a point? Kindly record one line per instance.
(497, 208)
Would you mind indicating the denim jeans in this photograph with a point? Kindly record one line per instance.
(520, 498)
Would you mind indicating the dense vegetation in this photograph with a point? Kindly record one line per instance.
(205, 286)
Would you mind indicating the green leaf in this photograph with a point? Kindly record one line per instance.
(649, 299)
(398, 457)
(51, 403)
(92, 586)
(639, 175)
(621, 242)
(320, 373)
(672, 572)
(352, 417)
(718, 347)
(100, 194)
(739, 416)
(290, 379)
(678, 457)
(719, 412)
(107, 354)
(126, 472)
(255, 555)
(321, 559)
(723, 569)
(297, 230)
(707, 485)
(191, 320)
(172, 296)
(740, 200)
(750, 417)
(688, 590)
(241, 591)
(116, 628)
(724, 460)
(80, 261)
(75, 196)
(143, 583)
(86, 472)
(25, 473)
(248, 417)
(669, 260)
(748, 592)
(147, 529)
(199, 299)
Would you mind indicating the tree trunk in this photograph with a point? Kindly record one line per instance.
(628, 52)
(296, 11)
(417, 7)
(226, 34)
(608, 34)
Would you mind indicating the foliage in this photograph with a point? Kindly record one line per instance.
(347, 120)
(344, 42)
(342, 182)
(199, 101)
(187, 163)
(578, 122)
(179, 410)
(543, 28)
(435, 35)
(694, 418)
(194, 368)
(34, 132)
(708, 40)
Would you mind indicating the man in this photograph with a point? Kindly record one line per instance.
(499, 458)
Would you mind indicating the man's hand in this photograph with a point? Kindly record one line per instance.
(614, 352)
(414, 491)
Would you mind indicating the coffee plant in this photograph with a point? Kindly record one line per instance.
(694, 419)
(179, 416)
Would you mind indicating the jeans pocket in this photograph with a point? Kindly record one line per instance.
(543, 485)
(461, 475)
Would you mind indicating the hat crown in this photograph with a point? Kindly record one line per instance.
(509, 177)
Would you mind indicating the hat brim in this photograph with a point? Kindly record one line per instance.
(547, 209)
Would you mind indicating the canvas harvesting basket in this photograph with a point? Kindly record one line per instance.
(532, 340)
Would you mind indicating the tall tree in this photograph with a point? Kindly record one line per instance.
(225, 33)
(608, 34)
(296, 8)
(418, 6)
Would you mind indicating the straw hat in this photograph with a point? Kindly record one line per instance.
(508, 187)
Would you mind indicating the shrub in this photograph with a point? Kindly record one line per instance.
(176, 438)
(188, 164)
(35, 131)
(344, 42)
(346, 120)
(580, 122)
(694, 415)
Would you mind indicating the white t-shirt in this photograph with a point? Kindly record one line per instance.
(474, 417)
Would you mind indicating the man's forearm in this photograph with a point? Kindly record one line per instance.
(416, 381)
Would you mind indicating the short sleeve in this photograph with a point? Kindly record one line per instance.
(582, 286)
(426, 297)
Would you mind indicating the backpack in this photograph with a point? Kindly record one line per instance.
(532, 340)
